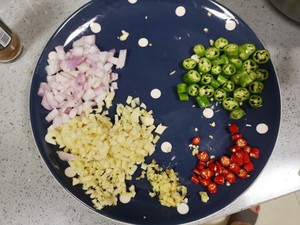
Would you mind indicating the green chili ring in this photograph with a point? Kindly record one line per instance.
(220, 43)
(261, 56)
(192, 89)
(189, 63)
(191, 77)
(255, 101)
(230, 104)
(237, 114)
(220, 94)
(256, 87)
(204, 65)
(241, 94)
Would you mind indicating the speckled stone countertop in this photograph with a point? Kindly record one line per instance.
(29, 193)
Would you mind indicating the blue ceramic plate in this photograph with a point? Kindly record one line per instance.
(157, 65)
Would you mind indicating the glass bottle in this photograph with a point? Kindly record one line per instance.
(10, 43)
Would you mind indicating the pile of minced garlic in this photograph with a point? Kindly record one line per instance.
(165, 184)
(107, 153)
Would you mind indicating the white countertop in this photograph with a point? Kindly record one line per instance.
(30, 194)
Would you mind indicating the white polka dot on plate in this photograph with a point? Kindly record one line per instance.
(262, 128)
(95, 27)
(143, 42)
(155, 93)
(180, 11)
(230, 25)
(132, 1)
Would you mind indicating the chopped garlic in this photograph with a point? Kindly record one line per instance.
(204, 196)
(165, 185)
(160, 129)
(212, 124)
(107, 154)
(124, 35)
(205, 30)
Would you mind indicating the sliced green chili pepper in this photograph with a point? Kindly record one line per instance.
(212, 53)
(256, 87)
(206, 90)
(237, 114)
(206, 79)
(216, 70)
(181, 88)
(262, 74)
(235, 77)
(253, 75)
(246, 50)
(238, 63)
(199, 50)
(183, 96)
(250, 65)
(228, 86)
(255, 101)
(202, 101)
(192, 89)
(261, 56)
(220, 43)
(231, 50)
(245, 80)
(215, 84)
(220, 94)
(221, 79)
(191, 77)
(204, 65)
(241, 94)
(189, 63)
(228, 69)
(223, 59)
(230, 104)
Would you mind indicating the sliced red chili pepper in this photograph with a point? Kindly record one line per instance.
(220, 179)
(212, 188)
(242, 173)
(233, 128)
(195, 179)
(203, 156)
(225, 161)
(197, 172)
(201, 165)
(246, 158)
(225, 171)
(234, 137)
(234, 149)
(207, 173)
(235, 158)
(213, 167)
(240, 154)
(230, 178)
(204, 182)
(211, 161)
(196, 140)
(247, 149)
(254, 153)
(249, 166)
(220, 169)
(241, 142)
(234, 167)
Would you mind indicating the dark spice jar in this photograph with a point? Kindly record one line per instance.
(10, 43)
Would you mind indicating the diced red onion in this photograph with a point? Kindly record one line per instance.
(78, 79)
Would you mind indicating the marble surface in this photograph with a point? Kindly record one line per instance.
(30, 195)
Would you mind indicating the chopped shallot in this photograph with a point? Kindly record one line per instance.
(64, 156)
(78, 79)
